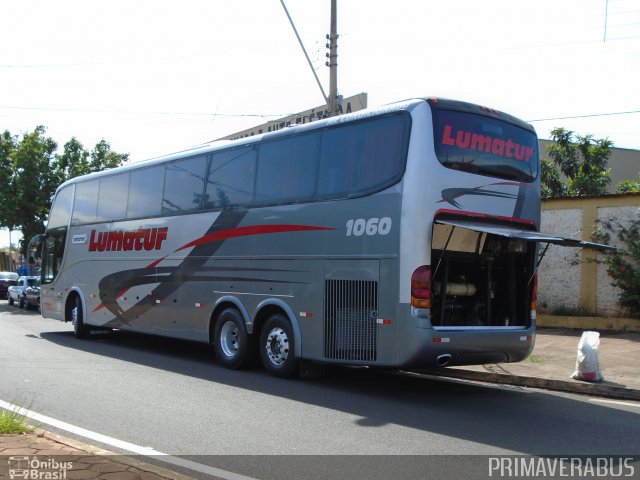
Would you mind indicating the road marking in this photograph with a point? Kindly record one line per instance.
(121, 444)
(615, 402)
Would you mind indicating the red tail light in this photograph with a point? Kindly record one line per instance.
(421, 287)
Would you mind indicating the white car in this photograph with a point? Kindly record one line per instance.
(16, 292)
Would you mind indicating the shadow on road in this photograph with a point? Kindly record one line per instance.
(510, 418)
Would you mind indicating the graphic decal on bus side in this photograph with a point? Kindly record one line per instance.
(526, 199)
(450, 195)
(169, 279)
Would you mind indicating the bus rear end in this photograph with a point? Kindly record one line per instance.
(473, 291)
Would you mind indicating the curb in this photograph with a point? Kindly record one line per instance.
(594, 389)
(121, 458)
(601, 324)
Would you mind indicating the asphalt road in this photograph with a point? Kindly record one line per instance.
(172, 396)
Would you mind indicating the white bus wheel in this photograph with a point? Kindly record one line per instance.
(277, 347)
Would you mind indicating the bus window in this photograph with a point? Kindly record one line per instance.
(231, 177)
(184, 185)
(361, 158)
(145, 198)
(112, 199)
(287, 170)
(61, 208)
(53, 252)
(383, 156)
(85, 206)
(484, 145)
(335, 172)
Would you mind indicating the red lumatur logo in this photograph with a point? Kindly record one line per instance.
(485, 143)
(126, 240)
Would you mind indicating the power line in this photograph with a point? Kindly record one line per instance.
(584, 116)
(133, 112)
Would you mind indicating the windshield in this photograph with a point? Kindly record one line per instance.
(484, 145)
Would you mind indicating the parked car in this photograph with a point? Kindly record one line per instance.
(16, 292)
(32, 296)
(7, 279)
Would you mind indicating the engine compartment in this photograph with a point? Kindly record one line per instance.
(480, 279)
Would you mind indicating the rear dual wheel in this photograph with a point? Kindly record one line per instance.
(236, 349)
(277, 348)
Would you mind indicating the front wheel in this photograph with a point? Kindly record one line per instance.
(10, 300)
(233, 346)
(21, 302)
(80, 329)
(277, 350)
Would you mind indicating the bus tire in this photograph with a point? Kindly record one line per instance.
(80, 329)
(233, 346)
(277, 350)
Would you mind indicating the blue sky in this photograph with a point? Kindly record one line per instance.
(152, 77)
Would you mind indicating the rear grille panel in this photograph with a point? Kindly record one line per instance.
(351, 320)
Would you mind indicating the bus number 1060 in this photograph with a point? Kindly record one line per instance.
(372, 226)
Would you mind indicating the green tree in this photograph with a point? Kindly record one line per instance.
(582, 160)
(629, 186)
(31, 170)
(34, 184)
(551, 184)
(8, 216)
(102, 157)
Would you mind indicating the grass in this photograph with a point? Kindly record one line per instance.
(536, 359)
(13, 422)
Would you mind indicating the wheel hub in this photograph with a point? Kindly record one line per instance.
(229, 339)
(277, 346)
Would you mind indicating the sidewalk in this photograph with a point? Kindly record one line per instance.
(55, 456)
(553, 361)
(550, 366)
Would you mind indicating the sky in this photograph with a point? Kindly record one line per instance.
(155, 77)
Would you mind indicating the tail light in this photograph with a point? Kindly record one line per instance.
(534, 296)
(421, 287)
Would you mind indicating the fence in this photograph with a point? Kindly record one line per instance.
(569, 281)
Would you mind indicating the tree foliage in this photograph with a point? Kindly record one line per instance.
(31, 169)
(629, 186)
(581, 159)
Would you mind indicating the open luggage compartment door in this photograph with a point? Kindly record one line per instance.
(483, 273)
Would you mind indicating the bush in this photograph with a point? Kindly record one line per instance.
(623, 265)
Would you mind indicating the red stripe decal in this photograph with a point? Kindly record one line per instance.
(251, 230)
(244, 232)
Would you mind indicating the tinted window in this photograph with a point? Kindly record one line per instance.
(484, 145)
(85, 206)
(287, 170)
(112, 199)
(53, 252)
(231, 178)
(363, 157)
(61, 208)
(184, 185)
(145, 194)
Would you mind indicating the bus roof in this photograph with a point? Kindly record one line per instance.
(404, 105)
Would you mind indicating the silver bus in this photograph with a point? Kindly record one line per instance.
(401, 237)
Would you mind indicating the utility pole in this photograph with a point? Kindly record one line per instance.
(332, 63)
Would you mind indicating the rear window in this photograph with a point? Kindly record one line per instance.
(485, 146)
